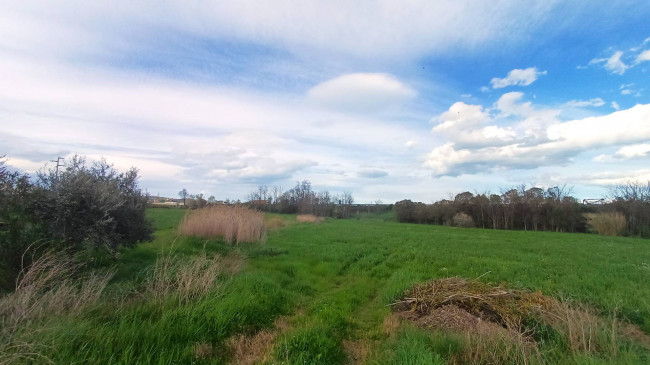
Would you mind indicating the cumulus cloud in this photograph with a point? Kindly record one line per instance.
(557, 143)
(363, 92)
(471, 125)
(521, 77)
(583, 103)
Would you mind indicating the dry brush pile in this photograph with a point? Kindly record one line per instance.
(507, 326)
(235, 224)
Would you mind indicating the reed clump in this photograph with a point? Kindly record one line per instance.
(235, 224)
(309, 218)
(607, 224)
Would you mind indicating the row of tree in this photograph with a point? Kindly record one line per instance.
(301, 199)
(78, 207)
(519, 208)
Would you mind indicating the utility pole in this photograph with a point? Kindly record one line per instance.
(59, 163)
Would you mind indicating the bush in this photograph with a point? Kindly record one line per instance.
(93, 206)
(607, 224)
(18, 227)
(463, 220)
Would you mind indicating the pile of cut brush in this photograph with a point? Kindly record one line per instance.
(487, 315)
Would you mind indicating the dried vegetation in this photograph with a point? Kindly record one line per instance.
(235, 224)
(309, 218)
(507, 326)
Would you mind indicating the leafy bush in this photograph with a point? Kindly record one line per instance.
(93, 206)
(69, 210)
(18, 228)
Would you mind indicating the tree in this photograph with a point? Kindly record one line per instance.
(183, 194)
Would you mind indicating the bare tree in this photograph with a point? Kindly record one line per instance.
(183, 194)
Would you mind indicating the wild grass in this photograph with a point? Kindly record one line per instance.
(52, 285)
(188, 279)
(309, 218)
(235, 224)
(607, 224)
(334, 282)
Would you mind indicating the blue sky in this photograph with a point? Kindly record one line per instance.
(386, 99)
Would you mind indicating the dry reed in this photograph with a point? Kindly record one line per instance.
(309, 218)
(275, 223)
(235, 224)
(607, 224)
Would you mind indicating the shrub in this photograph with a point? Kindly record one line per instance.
(18, 227)
(234, 224)
(95, 206)
(607, 224)
(463, 220)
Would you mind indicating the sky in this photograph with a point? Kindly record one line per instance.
(388, 100)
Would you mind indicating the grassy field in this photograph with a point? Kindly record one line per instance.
(320, 293)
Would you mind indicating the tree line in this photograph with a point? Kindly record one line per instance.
(535, 208)
(301, 199)
(82, 206)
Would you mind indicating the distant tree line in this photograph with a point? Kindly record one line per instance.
(301, 199)
(78, 207)
(537, 209)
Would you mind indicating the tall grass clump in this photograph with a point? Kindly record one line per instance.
(235, 224)
(188, 279)
(607, 224)
(50, 286)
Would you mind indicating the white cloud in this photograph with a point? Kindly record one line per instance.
(470, 125)
(583, 103)
(522, 77)
(643, 56)
(183, 134)
(560, 143)
(633, 151)
(615, 105)
(411, 143)
(613, 64)
(363, 92)
(364, 28)
(626, 92)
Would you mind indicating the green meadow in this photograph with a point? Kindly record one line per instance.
(321, 293)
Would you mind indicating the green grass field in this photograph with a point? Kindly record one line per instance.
(322, 294)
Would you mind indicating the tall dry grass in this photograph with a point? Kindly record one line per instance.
(189, 279)
(235, 224)
(607, 224)
(309, 218)
(49, 286)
